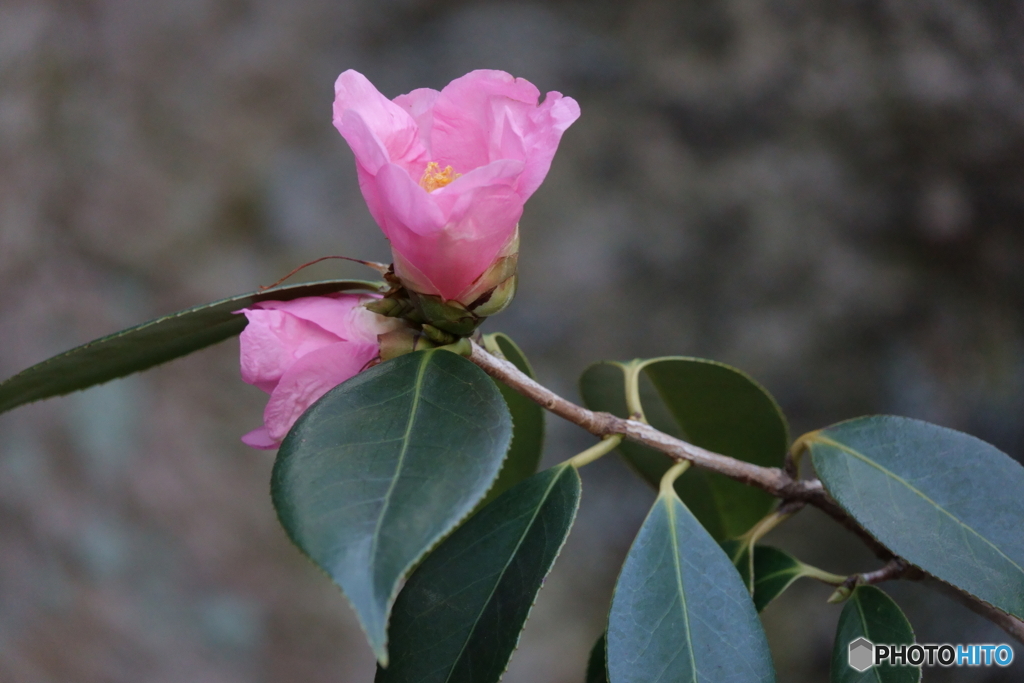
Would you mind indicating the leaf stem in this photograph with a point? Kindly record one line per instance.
(632, 382)
(669, 478)
(812, 572)
(603, 447)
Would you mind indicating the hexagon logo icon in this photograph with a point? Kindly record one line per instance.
(862, 655)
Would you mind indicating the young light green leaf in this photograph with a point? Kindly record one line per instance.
(712, 406)
(527, 423)
(945, 501)
(680, 611)
(597, 664)
(459, 617)
(872, 615)
(151, 343)
(382, 467)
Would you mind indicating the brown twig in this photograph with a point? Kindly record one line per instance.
(771, 479)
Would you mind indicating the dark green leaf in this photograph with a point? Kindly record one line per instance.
(527, 424)
(382, 467)
(774, 572)
(597, 665)
(871, 614)
(680, 611)
(947, 502)
(149, 344)
(767, 572)
(712, 406)
(459, 617)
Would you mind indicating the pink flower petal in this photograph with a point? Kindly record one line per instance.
(408, 209)
(469, 117)
(504, 172)
(311, 377)
(480, 224)
(271, 343)
(420, 105)
(541, 138)
(331, 312)
(260, 438)
(368, 120)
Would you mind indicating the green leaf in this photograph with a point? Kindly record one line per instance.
(949, 503)
(597, 664)
(871, 614)
(712, 406)
(382, 467)
(149, 344)
(774, 571)
(766, 572)
(527, 422)
(738, 552)
(459, 617)
(680, 611)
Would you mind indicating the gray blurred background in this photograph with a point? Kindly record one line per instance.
(828, 195)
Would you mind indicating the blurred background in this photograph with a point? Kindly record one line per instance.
(828, 195)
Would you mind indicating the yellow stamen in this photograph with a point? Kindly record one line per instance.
(434, 178)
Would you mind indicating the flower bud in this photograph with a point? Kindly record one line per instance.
(402, 341)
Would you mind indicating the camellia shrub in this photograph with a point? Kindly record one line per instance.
(408, 442)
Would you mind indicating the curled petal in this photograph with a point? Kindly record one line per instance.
(541, 138)
(372, 123)
(407, 208)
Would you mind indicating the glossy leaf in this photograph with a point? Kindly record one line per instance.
(143, 346)
(680, 611)
(712, 406)
(382, 467)
(774, 571)
(597, 664)
(869, 613)
(947, 502)
(459, 617)
(527, 423)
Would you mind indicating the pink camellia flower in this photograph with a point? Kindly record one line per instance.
(298, 350)
(445, 174)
